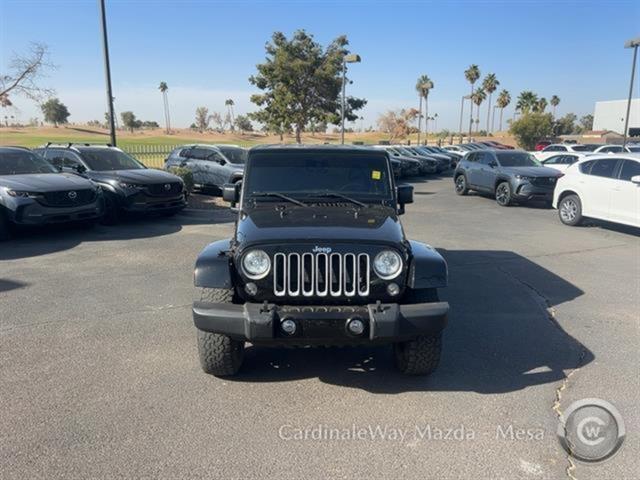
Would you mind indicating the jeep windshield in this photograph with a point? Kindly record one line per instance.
(102, 159)
(22, 163)
(517, 159)
(300, 175)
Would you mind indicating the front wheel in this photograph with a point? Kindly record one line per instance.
(219, 354)
(420, 356)
(570, 210)
(461, 185)
(503, 194)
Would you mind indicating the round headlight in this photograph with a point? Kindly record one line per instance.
(387, 264)
(256, 264)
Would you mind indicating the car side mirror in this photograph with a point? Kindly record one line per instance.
(636, 179)
(404, 195)
(493, 164)
(231, 192)
(222, 161)
(80, 169)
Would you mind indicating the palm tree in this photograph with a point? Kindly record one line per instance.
(504, 99)
(229, 104)
(541, 106)
(163, 87)
(527, 101)
(478, 97)
(555, 100)
(423, 85)
(472, 74)
(489, 85)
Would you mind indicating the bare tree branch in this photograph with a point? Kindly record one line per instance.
(24, 73)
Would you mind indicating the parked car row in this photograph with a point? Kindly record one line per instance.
(604, 186)
(80, 183)
(554, 148)
(420, 160)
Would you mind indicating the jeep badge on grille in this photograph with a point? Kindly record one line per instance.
(318, 249)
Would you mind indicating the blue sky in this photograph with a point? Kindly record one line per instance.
(206, 50)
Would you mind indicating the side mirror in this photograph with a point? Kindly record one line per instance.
(80, 169)
(222, 161)
(493, 164)
(636, 179)
(231, 192)
(405, 195)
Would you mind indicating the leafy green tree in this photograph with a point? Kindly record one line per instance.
(202, 118)
(527, 102)
(129, 120)
(503, 101)
(423, 86)
(490, 85)
(555, 101)
(565, 125)
(541, 105)
(164, 88)
(243, 123)
(55, 111)
(532, 127)
(301, 83)
(472, 74)
(586, 122)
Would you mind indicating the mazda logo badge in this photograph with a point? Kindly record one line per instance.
(72, 195)
(167, 186)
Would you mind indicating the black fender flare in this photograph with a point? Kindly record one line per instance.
(428, 269)
(214, 267)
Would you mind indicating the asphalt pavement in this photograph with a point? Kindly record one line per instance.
(99, 376)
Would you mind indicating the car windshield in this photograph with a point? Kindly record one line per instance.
(101, 159)
(20, 162)
(235, 155)
(583, 148)
(360, 175)
(517, 159)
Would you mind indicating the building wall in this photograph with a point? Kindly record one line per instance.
(610, 115)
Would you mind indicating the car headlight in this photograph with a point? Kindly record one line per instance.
(524, 177)
(256, 264)
(22, 194)
(387, 264)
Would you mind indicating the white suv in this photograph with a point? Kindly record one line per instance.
(606, 187)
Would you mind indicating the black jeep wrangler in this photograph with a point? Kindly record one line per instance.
(319, 257)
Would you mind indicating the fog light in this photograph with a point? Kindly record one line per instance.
(251, 288)
(393, 289)
(356, 326)
(288, 326)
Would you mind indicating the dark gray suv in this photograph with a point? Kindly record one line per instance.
(510, 175)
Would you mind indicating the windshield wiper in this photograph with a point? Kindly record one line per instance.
(339, 195)
(279, 195)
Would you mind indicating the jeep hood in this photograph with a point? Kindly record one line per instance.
(271, 224)
(44, 182)
(141, 176)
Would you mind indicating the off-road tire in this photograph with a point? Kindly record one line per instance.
(219, 354)
(421, 355)
(504, 194)
(461, 186)
(570, 210)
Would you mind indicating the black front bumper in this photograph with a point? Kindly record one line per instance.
(260, 323)
(142, 203)
(528, 192)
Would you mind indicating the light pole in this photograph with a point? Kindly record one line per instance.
(351, 58)
(107, 70)
(464, 97)
(634, 43)
(435, 127)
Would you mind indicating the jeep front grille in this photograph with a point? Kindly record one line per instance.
(321, 274)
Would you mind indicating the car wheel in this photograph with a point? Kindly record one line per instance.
(570, 210)
(5, 233)
(461, 185)
(219, 354)
(420, 356)
(503, 194)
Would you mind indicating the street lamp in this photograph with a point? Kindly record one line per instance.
(464, 97)
(351, 58)
(633, 43)
(107, 70)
